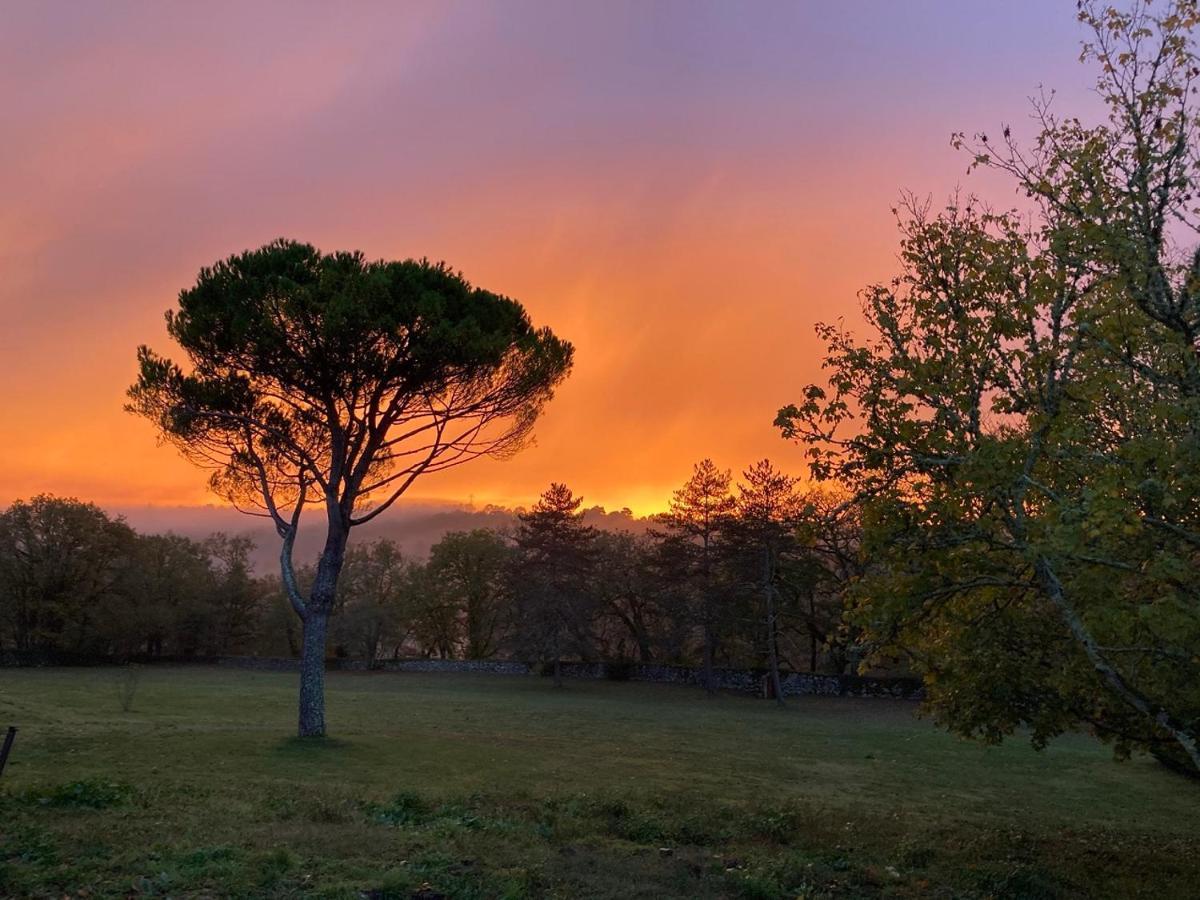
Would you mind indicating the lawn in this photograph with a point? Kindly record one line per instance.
(493, 786)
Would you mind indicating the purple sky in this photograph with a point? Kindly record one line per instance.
(680, 188)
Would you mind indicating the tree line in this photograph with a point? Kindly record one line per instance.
(750, 573)
(76, 580)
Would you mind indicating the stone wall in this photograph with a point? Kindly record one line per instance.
(751, 681)
(745, 681)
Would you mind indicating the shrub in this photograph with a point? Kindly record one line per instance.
(406, 809)
(126, 682)
(90, 793)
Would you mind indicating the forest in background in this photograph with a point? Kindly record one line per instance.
(745, 573)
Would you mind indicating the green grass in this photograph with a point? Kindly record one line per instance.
(485, 786)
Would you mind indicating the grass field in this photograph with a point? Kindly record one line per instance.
(486, 786)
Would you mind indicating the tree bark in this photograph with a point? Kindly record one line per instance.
(812, 634)
(710, 682)
(312, 674)
(316, 629)
(772, 649)
(1053, 588)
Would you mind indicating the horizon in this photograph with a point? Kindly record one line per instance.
(679, 179)
(413, 527)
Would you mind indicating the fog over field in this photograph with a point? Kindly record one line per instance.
(415, 526)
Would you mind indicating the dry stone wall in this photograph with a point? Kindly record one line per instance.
(746, 681)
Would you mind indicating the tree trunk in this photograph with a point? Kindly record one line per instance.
(812, 633)
(1165, 719)
(772, 649)
(316, 628)
(772, 652)
(312, 674)
(710, 681)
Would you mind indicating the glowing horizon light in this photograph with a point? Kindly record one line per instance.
(681, 190)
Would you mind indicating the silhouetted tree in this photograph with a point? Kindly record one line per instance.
(551, 574)
(168, 599)
(377, 599)
(435, 622)
(326, 379)
(831, 532)
(61, 564)
(1020, 418)
(761, 543)
(622, 594)
(237, 597)
(468, 571)
(698, 512)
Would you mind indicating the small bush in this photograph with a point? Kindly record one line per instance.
(91, 793)
(779, 826)
(405, 809)
(1024, 883)
(126, 682)
(207, 861)
(702, 831)
(910, 855)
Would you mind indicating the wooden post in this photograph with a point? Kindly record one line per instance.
(8, 742)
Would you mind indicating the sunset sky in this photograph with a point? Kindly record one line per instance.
(680, 188)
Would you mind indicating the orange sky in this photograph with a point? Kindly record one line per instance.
(681, 189)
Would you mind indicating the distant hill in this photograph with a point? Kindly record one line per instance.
(414, 526)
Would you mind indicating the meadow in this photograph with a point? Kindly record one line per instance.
(491, 786)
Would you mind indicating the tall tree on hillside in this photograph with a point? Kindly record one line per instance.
(327, 380)
(1024, 419)
(468, 569)
(552, 570)
(761, 541)
(698, 512)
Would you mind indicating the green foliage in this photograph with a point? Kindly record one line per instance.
(305, 367)
(1021, 420)
(379, 599)
(60, 560)
(467, 577)
(88, 793)
(404, 809)
(78, 581)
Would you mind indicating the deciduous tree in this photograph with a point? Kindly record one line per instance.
(1023, 419)
(61, 564)
(377, 599)
(468, 570)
